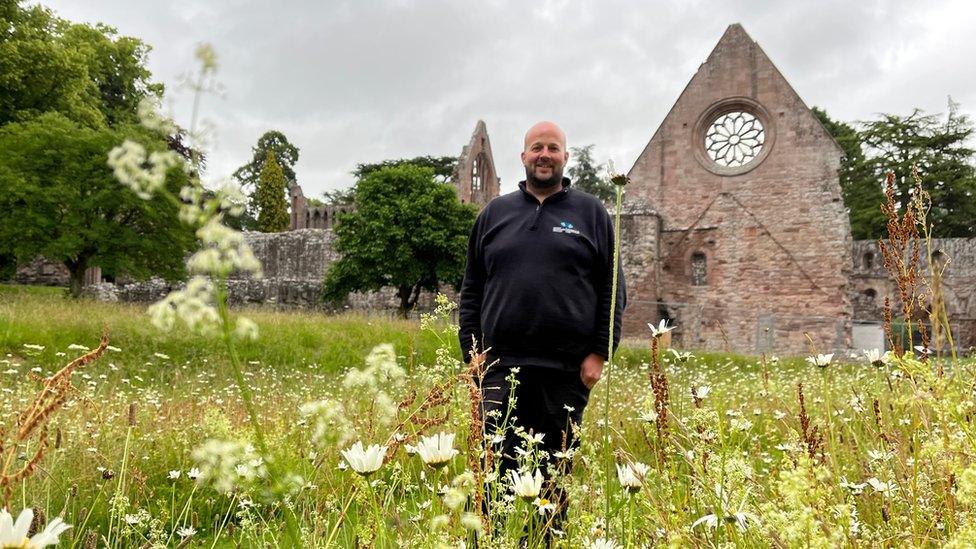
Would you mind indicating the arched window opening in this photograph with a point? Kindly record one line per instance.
(476, 182)
(868, 260)
(699, 269)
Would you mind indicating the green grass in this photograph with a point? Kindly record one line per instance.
(746, 437)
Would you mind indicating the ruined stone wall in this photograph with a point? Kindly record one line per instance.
(42, 272)
(956, 258)
(294, 264)
(770, 234)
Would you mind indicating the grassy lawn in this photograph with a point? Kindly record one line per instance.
(875, 456)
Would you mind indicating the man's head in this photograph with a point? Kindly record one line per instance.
(544, 155)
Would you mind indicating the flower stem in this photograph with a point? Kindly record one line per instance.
(609, 365)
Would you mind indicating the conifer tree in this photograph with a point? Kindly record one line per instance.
(273, 208)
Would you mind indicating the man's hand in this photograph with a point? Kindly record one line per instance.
(591, 370)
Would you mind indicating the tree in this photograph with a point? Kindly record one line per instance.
(408, 232)
(338, 197)
(249, 174)
(585, 175)
(272, 206)
(897, 143)
(87, 73)
(61, 201)
(443, 166)
(945, 164)
(860, 189)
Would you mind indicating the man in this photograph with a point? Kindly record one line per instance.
(536, 295)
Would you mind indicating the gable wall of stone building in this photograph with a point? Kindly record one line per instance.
(776, 238)
(475, 177)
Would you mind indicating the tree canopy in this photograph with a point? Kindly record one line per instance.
(408, 232)
(585, 174)
(936, 145)
(272, 205)
(61, 201)
(443, 166)
(89, 74)
(249, 174)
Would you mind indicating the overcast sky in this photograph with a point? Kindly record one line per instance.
(363, 81)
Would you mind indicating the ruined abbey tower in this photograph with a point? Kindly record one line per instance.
(735, 227)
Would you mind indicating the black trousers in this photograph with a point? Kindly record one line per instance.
(549, 402)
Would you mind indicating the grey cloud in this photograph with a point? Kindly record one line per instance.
(352, 82)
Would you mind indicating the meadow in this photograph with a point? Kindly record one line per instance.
(154, 447)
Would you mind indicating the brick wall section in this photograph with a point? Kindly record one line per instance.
(776, 238)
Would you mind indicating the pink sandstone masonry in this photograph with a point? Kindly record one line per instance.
(753, 248)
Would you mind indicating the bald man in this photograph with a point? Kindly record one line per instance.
(536, 296)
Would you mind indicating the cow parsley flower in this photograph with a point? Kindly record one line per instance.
(193, 305)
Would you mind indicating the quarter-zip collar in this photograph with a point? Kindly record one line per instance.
(555, 197)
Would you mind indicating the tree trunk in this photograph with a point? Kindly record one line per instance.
(403, 292)
(77, 278)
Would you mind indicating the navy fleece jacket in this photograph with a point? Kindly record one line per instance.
(537, 284)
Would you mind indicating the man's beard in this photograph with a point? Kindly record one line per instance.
(551, 181)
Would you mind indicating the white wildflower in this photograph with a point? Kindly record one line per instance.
(193, 305)
(14, 533)
(820, 361)
(661, 329)
(883, 488)
(631, 476)
(245, 328)
(437, 450)
(365, 461)
(526, 486)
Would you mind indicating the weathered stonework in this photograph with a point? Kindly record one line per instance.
(769, 240)
(474, 176)
(744, 247)
(956, 258)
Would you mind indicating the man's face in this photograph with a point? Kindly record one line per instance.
(545, 155)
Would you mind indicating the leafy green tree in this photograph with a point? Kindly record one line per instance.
(938, 147)
(585, 175)
(272, 206)
(61, 201)
(443, 166)
(249, 174)
(860, 188)
(87, 73)
(338, 197)
(408, 232)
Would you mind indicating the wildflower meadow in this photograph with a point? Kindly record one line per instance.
(194, 425)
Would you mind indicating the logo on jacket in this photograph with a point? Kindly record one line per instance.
(565, 227)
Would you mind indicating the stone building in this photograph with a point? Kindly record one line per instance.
(955, 259)
(735, 223)
(733, 228)
(474, 177)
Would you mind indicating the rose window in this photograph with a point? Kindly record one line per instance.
(734, 139)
